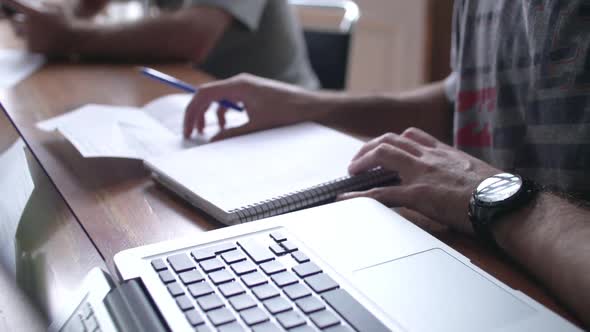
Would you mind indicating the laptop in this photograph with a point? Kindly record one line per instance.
(354, 265)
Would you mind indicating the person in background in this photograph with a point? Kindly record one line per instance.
(517, 102)
(222, 37)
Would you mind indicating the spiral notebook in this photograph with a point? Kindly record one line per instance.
(266, 173)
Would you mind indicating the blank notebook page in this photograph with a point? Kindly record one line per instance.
(249, 169)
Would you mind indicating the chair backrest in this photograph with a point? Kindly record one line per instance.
(329, 50)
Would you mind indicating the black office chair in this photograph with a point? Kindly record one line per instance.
(329, 51)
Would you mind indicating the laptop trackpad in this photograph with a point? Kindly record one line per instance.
(434, 291)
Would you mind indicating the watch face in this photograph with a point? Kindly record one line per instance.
(498, 188)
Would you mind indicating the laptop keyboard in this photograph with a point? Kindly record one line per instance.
(259, 283)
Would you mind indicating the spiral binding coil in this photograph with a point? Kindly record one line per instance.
(315, 195)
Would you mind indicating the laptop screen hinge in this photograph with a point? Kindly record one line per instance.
(132, 309)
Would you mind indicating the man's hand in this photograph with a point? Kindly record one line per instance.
(436, 180)
(268, 103)
(44, 27)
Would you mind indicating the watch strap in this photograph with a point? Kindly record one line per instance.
(481, 226)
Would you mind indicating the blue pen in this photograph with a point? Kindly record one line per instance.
(175, 82)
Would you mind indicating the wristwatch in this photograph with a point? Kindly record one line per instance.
(495, 197)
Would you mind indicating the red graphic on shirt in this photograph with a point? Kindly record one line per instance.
(475, 134)
(472, 136)
(484, 98)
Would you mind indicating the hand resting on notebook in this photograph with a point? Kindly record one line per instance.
(437, 179)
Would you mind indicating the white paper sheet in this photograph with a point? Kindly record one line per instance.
(16, 65)
(114, 131)
(16, 186)
(134, 133)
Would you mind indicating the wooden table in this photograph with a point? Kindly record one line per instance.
(115, 201)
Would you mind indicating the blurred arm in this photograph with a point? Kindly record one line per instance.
(187, 34)
(426, 108)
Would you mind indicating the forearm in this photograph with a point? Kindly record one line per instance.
(426, 108)
(551, 239)
(189, 34)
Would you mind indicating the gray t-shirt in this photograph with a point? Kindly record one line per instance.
(523, 87)
(265, 39)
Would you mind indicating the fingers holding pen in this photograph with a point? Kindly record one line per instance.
(268, 104)
(194, 117)
(221, 111)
